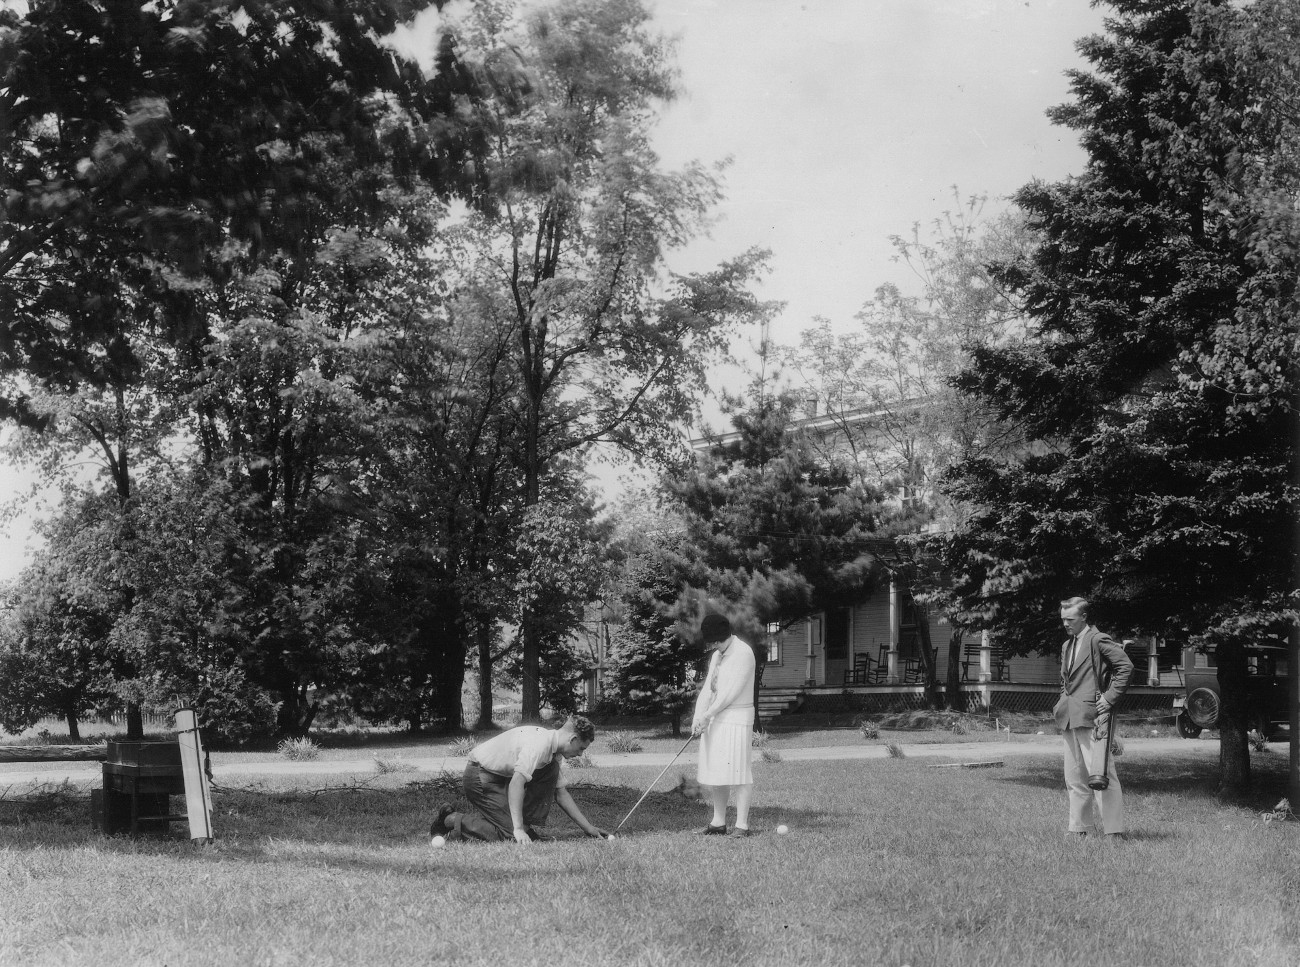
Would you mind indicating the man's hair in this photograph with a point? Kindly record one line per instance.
(582, 728)
(1076, 602)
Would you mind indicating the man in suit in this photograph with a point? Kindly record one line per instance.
(1085, 657)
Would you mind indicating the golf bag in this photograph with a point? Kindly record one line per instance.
(1102, 729)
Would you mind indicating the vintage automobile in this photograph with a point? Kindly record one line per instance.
(1199, 706)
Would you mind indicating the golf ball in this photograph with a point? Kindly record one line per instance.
(783, 829)
(610, 837)
(438, 841)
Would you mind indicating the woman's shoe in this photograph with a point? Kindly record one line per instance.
(711, 830)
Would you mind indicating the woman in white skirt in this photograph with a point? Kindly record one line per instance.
(724, 719)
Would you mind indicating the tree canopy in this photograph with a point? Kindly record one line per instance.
(1158, 379)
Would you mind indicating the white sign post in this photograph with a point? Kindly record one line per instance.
(198, 800)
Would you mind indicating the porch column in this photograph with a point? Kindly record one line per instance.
(895, 624)
(809, 676)
(1153, 663)
(986, 658)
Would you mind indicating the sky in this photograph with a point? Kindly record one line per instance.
(847, 121)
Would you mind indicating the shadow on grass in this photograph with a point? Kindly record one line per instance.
(357, 827)
(1184, 777)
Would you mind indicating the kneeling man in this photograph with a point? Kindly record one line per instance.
(511, 780)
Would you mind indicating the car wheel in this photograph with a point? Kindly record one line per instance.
(1203, 707)
(1186, 727)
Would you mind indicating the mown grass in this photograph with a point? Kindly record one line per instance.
(887, 862)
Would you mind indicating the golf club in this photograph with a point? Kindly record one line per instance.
(657, 778)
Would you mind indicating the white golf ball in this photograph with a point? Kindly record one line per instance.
(438, 841)
(783, 829)
(610, 837)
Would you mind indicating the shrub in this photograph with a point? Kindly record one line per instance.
(385, 766)
(761, 740)
(462, 746)
(770, 755)
(869, 731)
(895, 751)
(622, 743)
(299, 750)
(583, 761)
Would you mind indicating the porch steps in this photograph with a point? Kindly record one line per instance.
(774, 702)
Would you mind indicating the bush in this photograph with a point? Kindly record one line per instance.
(895, 751)
(299, 750)
(869, 730)
(462, 746)
(622, 743)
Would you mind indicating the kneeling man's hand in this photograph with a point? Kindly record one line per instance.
(521, 836)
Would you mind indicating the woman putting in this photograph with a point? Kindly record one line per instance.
(724, 720)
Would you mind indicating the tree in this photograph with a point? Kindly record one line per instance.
(777, 533)
(651, 659)
(57, 657)
(1158, 377)
(187, 180)
(606, 350)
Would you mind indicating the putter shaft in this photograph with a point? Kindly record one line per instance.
(656, 781)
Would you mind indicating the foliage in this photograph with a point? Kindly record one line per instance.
(622, 743)
(1160, 371)
(299, 750)
(883, 391)
(561, 568)
(650, 666)
(570, 256)
(56, 651)
(778, 532)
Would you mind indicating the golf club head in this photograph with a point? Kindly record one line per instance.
(1098, 782)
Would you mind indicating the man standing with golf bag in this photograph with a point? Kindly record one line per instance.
(724, 720)
(1095, 672)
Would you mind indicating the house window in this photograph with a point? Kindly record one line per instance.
(774, 643)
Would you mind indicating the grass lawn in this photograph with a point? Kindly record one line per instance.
(888, 862)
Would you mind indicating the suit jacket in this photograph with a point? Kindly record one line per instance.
(1077, 706)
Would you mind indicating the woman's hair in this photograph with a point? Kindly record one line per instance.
(715, 627)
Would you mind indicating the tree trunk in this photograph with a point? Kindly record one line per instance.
(1234, 720)
(451, 684)
(74, 732)
(134, 721)
(484, 634)
(952, 688)
(1293, 719)
(530, 712)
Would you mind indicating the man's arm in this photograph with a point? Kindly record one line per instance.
(515, 797)
(571, 809)
(1121, 665)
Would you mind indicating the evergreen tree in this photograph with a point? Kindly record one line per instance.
(1158, 379)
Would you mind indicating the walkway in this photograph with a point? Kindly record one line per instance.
(18, 775)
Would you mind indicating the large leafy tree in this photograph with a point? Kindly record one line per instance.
(202, 204)
(1159, 376)
(607, 349)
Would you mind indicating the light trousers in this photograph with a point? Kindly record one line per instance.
(1085, 803)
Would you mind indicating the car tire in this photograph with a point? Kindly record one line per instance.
(1187, 729)
(1203, 707)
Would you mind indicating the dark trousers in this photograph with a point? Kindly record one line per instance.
(488, 793)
